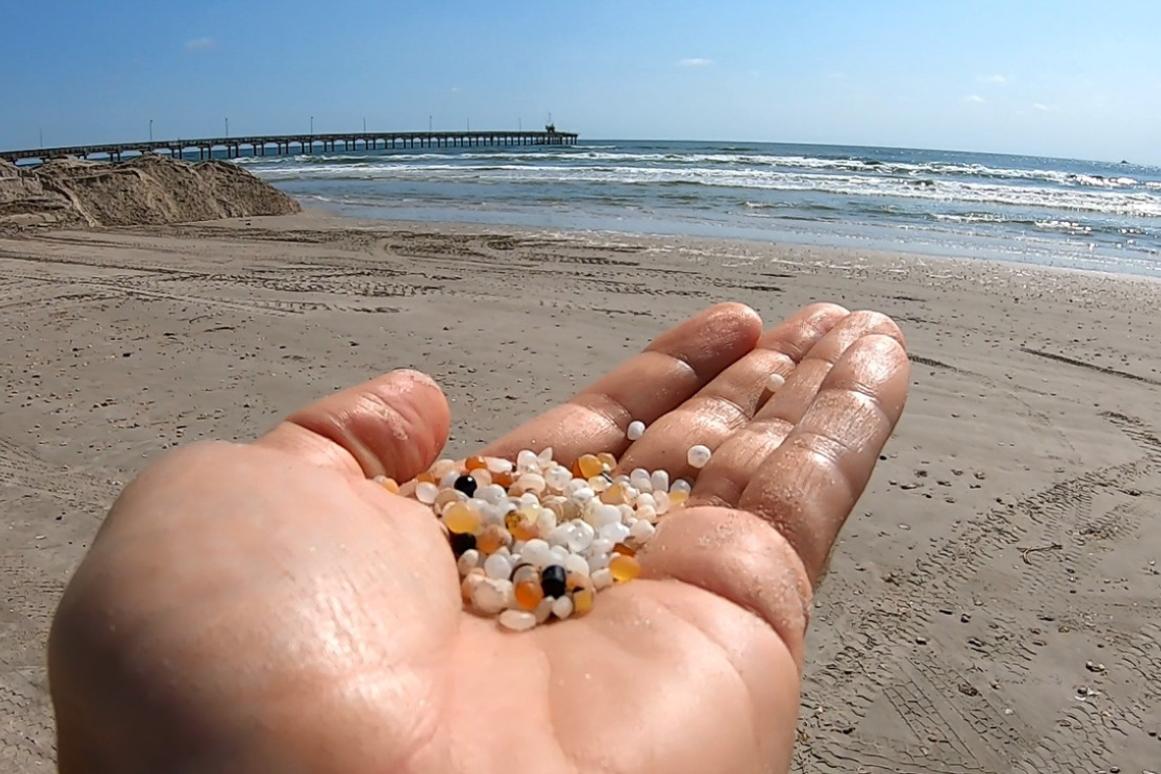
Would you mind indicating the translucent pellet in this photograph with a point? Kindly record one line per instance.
(426, 492)
(635, 430)
(774, 382)
(624, 568)
(698, 456)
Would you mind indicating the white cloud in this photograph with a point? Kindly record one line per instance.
(996, 79)
(695, 61)
(1042, 107)
(974, 98)
(199, 44)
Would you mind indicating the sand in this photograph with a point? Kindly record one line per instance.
(148, 189)
(993, 605)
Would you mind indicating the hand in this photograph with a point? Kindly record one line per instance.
(266, 608)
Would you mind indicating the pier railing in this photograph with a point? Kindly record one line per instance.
(274, 145)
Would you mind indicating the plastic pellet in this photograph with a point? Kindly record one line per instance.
(461, 517)
(624, 568)
(698, 456)
(636, 430)
(517, 620)
(426, 492)
(562, 607)
(774, 382)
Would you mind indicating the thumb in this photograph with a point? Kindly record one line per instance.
(394, 425)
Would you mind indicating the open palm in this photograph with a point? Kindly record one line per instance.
(266, 608)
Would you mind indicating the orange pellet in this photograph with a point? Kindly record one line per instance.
(426, 476)
(472, 463)
(529, 594)
(624, 568)
(589, 466)
(582, 601)
(502, 479)
(522, 523)
(462, 518)
(391, 485)
(576, 581)
(607, 460)
(492, 539)
(678, 498)
(621, 548)
(614, 495)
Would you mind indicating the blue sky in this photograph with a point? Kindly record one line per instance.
(1074, 79)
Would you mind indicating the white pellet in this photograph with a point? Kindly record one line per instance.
(681, 485)
(562, 607)
(498, 465)
(698, 456)
(775, 381)
(660, 479)
(576, 563)
(468, 559)
(527, 460)
(517, 620)
(616, 532)
(498, 566)
(581, 535)
(602, 578)
(641, 530)
(597, 562)
(546, 521)
(426, 492)
(537, 553)
(492, 595)
(543, 610)
(601, 546)
(492, 493)
(635, 430)
(605, 514)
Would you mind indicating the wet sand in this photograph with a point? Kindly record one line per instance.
(993, 605)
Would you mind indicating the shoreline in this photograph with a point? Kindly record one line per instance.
(937, 639)
(321, 218)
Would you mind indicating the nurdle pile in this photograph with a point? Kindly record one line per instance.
(534, 539)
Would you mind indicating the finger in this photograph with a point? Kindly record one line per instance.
(740, 456)
(731, 399)
(808, 485)
(673, 367)
(394, 425)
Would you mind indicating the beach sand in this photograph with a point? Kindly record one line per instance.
(992, 606)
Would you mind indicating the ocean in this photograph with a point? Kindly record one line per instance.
(1080, 214)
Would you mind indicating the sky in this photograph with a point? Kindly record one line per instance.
(1062, 78)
